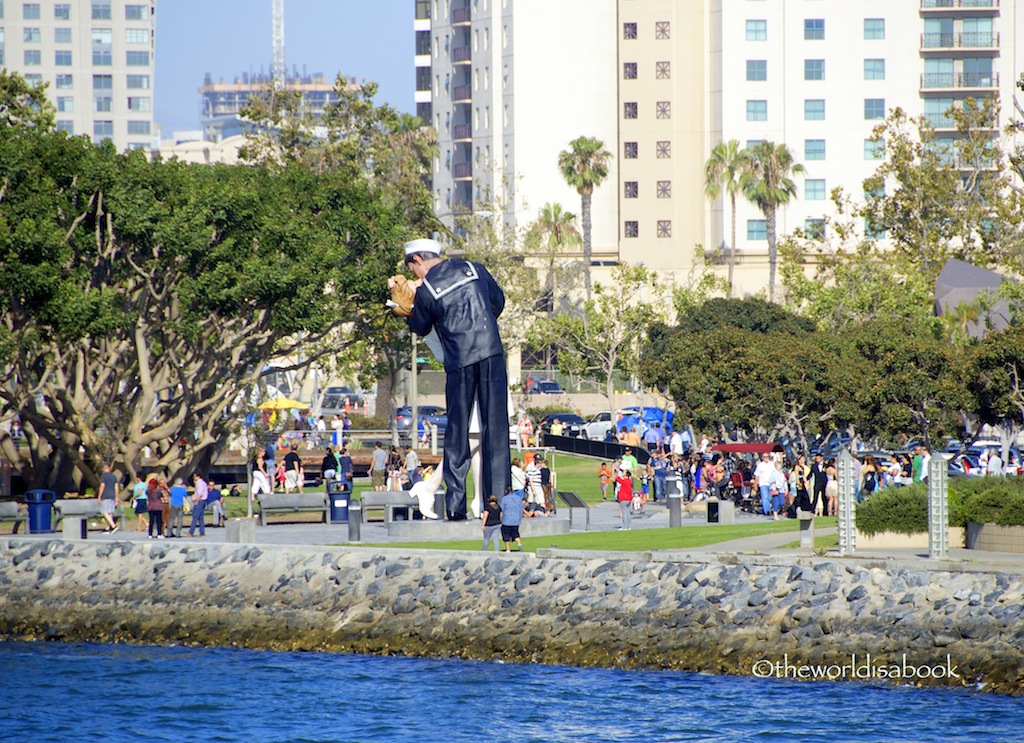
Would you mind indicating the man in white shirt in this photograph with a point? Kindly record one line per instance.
(764, 473)
(675, 443)
(995, 464)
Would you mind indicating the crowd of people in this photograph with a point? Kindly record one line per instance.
(160, 508)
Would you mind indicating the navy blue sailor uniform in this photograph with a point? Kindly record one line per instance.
(462, 301)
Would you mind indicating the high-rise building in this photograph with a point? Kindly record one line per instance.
(97, 58)
(508, 83)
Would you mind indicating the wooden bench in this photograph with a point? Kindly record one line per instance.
(10, 513)
(86, 508)
(389, 501)
(274, 503)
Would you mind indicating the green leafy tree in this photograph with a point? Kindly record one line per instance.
(585, 166)
(22, 104)
(768, 184)
(995, 377)
(554, 239)
(724, 171)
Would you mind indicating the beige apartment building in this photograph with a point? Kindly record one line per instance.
(97, 58)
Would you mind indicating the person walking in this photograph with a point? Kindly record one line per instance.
(491, 518)
(107, 496)
(511, 517)
(139, 504)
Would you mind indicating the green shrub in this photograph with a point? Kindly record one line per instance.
(901, 510)
(983, 500)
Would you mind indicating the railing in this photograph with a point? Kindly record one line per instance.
(940, 121)
(946, 4)
(968, 40)
(463, 131)
(939, 80)
(461, 15)
(462, 93)
(463, 170)
(462, 54)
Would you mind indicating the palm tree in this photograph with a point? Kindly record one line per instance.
(767, 184)
(724, 172)
(554, 229)
(584, 166)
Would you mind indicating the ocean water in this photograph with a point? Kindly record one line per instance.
(94, 692)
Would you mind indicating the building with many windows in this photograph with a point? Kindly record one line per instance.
(508, 83)
(97, 58)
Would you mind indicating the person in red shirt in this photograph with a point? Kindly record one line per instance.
(624, 495)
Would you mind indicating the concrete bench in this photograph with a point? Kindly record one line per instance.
(86, 508)
(10, 513)
(388, 501)
(275, 503)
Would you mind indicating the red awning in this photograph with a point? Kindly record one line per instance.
(748, 448)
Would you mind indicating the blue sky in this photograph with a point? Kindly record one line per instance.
(365, 39)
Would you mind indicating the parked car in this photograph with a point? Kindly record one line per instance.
(546, 387)
(597, 428)
(572, 424)
(333, 402)
(432, 414)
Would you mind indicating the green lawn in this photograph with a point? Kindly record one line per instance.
(827, 541)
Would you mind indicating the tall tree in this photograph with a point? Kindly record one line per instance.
(585, 166)
(724, 171)
(768, 184)
(550, 236)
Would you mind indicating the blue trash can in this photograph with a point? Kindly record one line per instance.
(40, 510)
(338, 494)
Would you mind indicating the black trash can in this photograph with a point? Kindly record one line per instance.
(40, 510)
(338, 494)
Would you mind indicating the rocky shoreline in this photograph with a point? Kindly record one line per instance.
(720, 615)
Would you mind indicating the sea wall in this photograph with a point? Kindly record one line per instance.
(721, 615)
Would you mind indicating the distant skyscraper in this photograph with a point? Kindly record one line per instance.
(97, 58)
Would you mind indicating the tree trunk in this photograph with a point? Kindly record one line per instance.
(773, 250)
(732, 245)
(587, 251)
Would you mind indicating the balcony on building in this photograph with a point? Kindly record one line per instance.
(969, 41)
(462, 93)
(462, 55)
(964, 81)
(461, 16)
(462, 132)
(462, 171)
(945, 7)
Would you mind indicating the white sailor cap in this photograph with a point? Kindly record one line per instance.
(425, 245)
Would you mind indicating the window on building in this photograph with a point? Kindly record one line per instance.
(422, 9)
(102, 82)
(62, 58)
(874, 149)
(664, 189)
(631, 189)
(103, 129)
(139, 127)
(757, 30)
(757, 110)
(32, 35)
(66, 126)
(814, 228)
(814, 109)
(629, 70)
(814, 28)
(814, 69)
(62, 35)
(663, 149)
(662, 30)
(874, 108)
(814, 149)
(65, 82)
(30, 11)
(33, 57)
(757, 229)
(422, 42)
(65, 104)
(629, 31)
(629, 110)
(662, 70)
(664, 228)
(757, 69)
(138, 82)
(874, 28)
(632, 228)
(630, 150)
(102, 58)
(33, 80)
(753, 143)
(137, 59)
(101, 11)
(102, 36)
(874, 69)
(136, 12)
(136, 35)
(102, 104)
(663, 109)
(140, 104)
(814, 189)
(62, 12)
(873, 231)
(422, 78)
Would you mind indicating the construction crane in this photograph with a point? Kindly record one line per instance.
(278, 69)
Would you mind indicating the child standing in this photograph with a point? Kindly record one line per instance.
(604, 477)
